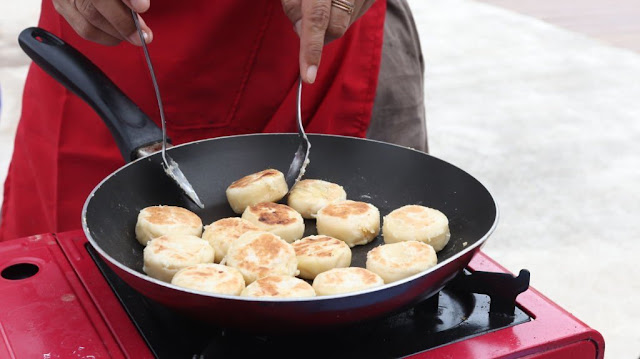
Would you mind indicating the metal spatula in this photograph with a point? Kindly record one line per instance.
(170, 166)
(301, 157)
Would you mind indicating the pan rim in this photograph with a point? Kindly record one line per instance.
(342, 296)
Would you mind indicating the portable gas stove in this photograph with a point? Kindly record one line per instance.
(59, 300)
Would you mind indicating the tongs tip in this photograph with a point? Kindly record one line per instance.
(300, 161)
(170, 166)
(173, 170)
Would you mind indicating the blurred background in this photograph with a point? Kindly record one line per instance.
(539, 100)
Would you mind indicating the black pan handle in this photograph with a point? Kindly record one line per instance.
(130, 127)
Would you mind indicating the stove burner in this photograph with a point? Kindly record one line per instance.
(455, 314)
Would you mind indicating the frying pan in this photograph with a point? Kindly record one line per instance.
(386, 175)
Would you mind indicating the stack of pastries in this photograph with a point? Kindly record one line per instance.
(262, 253)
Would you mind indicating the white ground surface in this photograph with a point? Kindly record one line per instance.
(547, 119)
(14, 16)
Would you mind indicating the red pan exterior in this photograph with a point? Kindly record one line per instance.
(296, 315)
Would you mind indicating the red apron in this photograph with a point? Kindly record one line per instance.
(224, 67)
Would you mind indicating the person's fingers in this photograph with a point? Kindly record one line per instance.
(82, 26)
(293, 11)
(119, 16)
(315, 20)
(146, 31)
(138, 6)
(95, 18)
(339, 22)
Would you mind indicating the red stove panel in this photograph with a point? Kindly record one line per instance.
(51, 314)
(552, 329)
(67, 310)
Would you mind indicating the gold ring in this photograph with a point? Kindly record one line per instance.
(343, 5)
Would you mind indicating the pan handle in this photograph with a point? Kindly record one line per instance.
(131, 128)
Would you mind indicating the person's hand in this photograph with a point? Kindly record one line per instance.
(318, 22)
(106, 22)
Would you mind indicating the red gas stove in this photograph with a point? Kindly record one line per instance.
(59, 300)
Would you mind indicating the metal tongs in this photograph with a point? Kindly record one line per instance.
(301, 158)
(170, 166)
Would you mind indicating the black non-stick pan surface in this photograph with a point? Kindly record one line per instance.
(385, 175)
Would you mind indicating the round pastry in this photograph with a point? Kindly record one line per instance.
(259, 254)
(165, 256)
(220, 234)
(350, 221)
(264, 186)
(210, 277)
(417, 223)
(317, 254)
(345, 280)
(278, 219)
(310, 195)
(400, 260)
(281, 286)
(156, 221)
